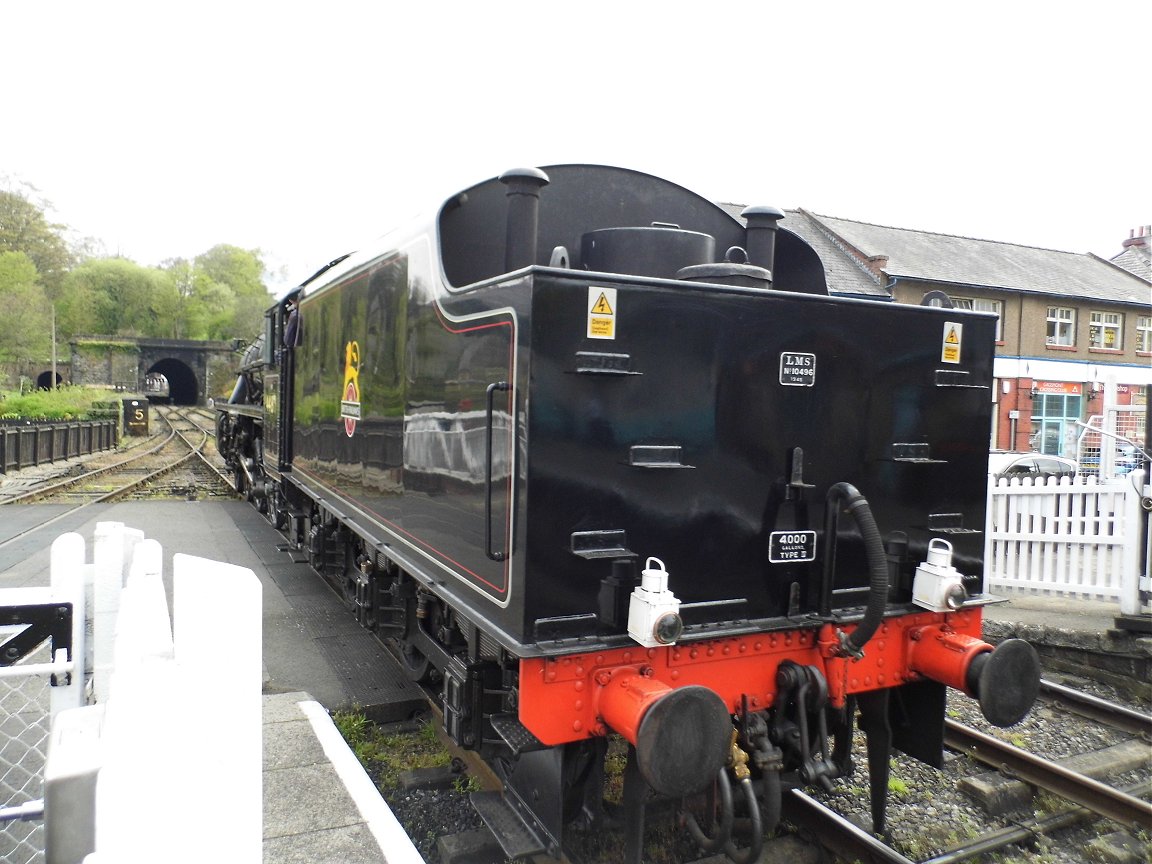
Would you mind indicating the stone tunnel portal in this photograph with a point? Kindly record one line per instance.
(182, 389)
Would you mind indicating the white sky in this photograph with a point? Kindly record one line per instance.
(163, 128)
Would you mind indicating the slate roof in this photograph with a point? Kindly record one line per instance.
(846, 277)
(925, 256)
(1137, 260)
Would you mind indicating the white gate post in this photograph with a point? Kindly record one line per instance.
(67, 570)
(1133, 515)
(218, 639)
(111, 557)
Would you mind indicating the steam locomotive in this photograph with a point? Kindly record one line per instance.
(603, 459)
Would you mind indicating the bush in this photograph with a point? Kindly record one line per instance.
(64, 403)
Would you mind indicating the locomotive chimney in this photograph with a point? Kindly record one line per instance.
(760, 235)
(524, 185)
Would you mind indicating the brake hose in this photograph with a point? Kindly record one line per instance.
(856, 505)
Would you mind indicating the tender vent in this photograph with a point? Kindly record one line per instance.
(918, 452)
(600, 544)
(656, 456)
(957, 378)
(949, 523)
(602, 363)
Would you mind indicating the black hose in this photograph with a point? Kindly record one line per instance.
(772, 801)
(857, 506)
(724, 831)
(752, 853)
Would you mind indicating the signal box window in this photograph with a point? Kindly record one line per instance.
(1061, 326)
(1106, 330)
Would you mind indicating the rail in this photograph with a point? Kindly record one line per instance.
(122, 488)
(1108, 802)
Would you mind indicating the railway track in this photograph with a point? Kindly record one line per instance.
(179, 461)
(1075, 799)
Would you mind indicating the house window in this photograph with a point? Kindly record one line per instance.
(982, 304)
(1061, 325)
(1106, 330)
(1144, 333)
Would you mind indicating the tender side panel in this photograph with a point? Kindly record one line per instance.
(707, 431)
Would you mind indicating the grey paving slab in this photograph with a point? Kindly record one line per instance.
(304, 799)
(350, 844)
(292, 745)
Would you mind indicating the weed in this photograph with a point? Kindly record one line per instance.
(466, 783)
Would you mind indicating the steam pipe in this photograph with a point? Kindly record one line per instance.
(847, 497)
(524, 185)
(760, 235)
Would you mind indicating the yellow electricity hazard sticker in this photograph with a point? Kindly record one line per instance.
(953, 338)
(601, 312)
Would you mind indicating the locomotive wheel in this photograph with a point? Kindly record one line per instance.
(417, 667)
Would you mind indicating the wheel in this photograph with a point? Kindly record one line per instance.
(417, 667)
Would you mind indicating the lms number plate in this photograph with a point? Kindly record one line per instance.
(786, 547)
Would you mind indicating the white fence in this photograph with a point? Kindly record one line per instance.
(1075, 537)
(176, 722)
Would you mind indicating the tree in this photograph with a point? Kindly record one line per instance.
(27, 313)
(241, 271)
(24, 228)
(115, 297)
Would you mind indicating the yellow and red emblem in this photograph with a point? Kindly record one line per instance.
(350, 400)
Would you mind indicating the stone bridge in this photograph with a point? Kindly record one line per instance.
(182, 371)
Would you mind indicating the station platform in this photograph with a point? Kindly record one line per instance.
(319, 805)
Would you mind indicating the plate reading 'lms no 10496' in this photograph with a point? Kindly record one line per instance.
(797, 369)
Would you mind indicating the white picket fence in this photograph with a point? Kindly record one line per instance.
(1075, 537)
(171, 736)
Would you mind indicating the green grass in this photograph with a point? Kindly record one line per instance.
(391, 754)
(64, 403)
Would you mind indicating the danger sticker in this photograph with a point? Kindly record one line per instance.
(601, 312)
(786, 547)
(797, 370)
(953, 338)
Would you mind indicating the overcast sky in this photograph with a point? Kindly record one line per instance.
(303, 130)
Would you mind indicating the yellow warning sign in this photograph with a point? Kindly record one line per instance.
(601, 312)
(953, 338)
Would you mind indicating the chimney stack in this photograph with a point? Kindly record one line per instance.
(1144, 238)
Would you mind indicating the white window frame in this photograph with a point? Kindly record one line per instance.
(1061, 326)
(1144, 333)
(1106, 327)
(983, 304)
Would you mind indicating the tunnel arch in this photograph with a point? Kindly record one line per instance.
(183, 388)
(44, 380)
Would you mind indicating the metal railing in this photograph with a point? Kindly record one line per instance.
(25, 445)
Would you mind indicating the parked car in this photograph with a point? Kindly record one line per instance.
(1010, 463)
(1128, 458)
